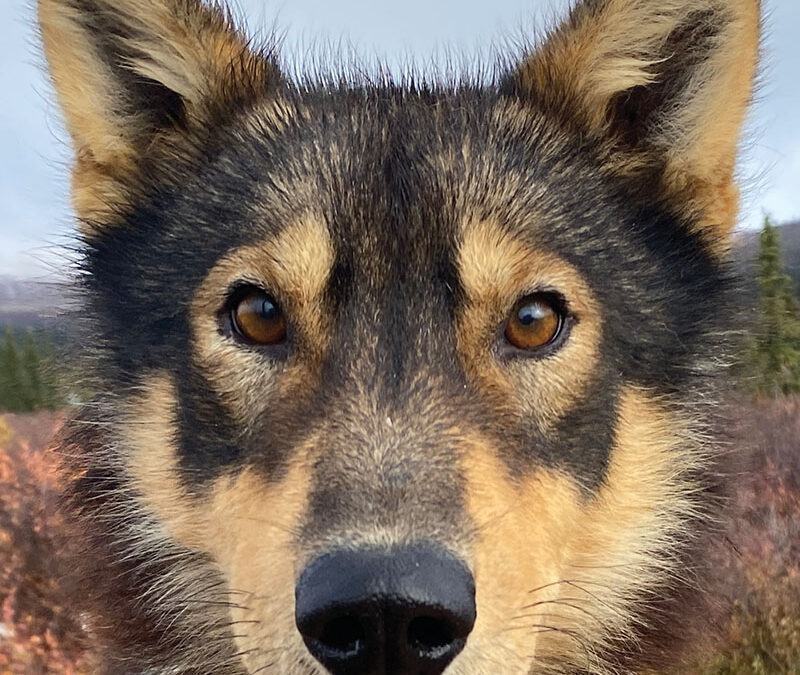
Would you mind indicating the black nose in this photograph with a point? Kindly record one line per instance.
(401, 611)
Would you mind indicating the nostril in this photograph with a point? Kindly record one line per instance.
(404, 610)
(344, 637)
(431, 637)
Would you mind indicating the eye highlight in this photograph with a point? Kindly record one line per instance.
(535, 321)
(256, 318)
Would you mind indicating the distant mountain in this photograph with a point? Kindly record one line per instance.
(30, 303)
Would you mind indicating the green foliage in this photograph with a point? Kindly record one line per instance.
(775, 351)
(764, 634)
(26, 380)
(10, 374)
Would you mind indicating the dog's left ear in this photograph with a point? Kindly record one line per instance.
(666, 82)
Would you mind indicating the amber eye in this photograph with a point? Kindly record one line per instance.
(258, 319)
(535, 322)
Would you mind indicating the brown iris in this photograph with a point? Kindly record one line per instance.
(534, 322)
(258, 319)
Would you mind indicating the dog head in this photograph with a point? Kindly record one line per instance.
(402, 378)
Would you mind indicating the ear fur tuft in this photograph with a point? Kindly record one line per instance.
(131, 73)
(669, 81)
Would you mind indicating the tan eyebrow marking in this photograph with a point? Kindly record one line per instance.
(294, 266)
(496, 269)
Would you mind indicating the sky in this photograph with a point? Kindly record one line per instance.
(35, 219)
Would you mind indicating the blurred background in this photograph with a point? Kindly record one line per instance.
(757, 570)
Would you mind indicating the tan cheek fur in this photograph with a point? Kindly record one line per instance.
(552, 570)
(557, 573)
(245, 524)
(294, 266)
(518, 531)
(497, 269)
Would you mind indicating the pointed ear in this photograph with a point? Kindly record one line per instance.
(668, 81)
(133, 74)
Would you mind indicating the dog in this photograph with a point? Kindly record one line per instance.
(399, 376)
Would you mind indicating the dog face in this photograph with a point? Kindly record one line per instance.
(400, 379)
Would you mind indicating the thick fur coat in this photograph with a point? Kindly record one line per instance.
(407, 245)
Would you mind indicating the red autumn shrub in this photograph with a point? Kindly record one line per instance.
(39, 634)
(757, 569)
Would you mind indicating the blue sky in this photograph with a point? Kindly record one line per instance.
(34, 157)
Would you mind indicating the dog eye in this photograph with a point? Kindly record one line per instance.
(535, 322)
(256, 318)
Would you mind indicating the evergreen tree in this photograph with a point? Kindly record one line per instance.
(11, 375)
(50, 372)
(777, 339)
(34, 394)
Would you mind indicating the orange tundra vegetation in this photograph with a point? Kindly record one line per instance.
(39, 634)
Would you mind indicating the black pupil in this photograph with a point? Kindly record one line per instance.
(529, 313)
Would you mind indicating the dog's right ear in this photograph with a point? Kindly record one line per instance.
(133, 74)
